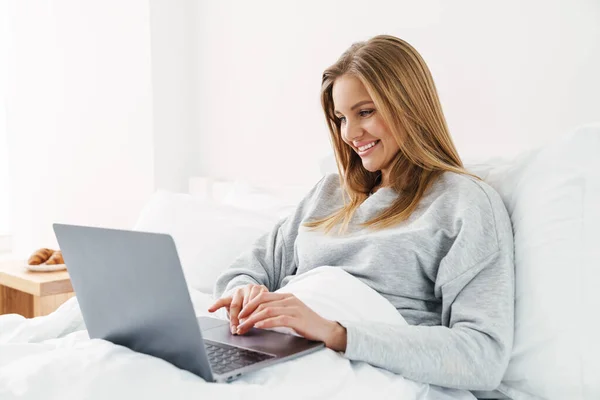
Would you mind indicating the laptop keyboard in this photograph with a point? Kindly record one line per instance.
(224, 358)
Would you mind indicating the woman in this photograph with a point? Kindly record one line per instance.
(411, 223)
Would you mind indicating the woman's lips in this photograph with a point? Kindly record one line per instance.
(369, 150)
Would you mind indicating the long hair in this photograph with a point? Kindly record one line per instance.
(400, 84)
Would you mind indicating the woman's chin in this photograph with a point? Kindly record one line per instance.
(370, 166)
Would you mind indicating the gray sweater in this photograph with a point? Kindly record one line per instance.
(448, 270)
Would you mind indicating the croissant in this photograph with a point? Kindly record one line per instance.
(56, 258)
(40, 256)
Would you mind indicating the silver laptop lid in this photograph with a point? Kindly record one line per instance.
(132, 292)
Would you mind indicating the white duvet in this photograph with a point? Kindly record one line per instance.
(52, 357)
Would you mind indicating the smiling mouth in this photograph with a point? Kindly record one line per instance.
(367, 147)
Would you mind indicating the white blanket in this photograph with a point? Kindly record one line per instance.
(52, 357)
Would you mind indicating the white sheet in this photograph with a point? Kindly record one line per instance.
(53, 357)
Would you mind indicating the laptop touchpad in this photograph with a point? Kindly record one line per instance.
(207, 323)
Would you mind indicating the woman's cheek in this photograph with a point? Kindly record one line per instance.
(372, 127)
(378, 128)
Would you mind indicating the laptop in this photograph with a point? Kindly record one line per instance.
(132, 292)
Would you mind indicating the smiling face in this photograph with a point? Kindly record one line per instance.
(362, 127)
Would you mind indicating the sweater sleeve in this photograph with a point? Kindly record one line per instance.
(471, 348)
(271, 258)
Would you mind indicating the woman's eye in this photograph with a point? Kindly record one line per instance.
(362, 113)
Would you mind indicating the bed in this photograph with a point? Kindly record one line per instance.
(552, 194)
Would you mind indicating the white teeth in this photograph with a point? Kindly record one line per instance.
(367, 146)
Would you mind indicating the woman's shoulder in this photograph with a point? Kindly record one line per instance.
(473, 201)
(466, 189)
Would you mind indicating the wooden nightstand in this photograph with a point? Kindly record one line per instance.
(32, 294)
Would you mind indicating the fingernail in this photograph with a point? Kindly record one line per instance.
(233, 329)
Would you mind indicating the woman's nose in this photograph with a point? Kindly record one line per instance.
(352, 132)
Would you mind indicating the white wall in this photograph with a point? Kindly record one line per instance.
(4, 198)
(173, 42)
(79, 116)
(511, 75)
(110, 100)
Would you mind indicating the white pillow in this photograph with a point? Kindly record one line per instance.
(278, 200)
(554, 201)
(334, 294)
(208, 236)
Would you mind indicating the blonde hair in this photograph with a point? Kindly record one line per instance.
(401, 86)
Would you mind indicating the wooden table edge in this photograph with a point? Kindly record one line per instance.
(21, 283)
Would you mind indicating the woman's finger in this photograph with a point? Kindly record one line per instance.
(222, 302)
(234, 309)
(254, 291)
(262, 306)
(266, 313)
(280, 321)
(263, 297)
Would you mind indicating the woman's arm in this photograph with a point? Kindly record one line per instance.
(472, 352)
(265, 263)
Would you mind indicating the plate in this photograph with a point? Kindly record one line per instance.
(46, 268)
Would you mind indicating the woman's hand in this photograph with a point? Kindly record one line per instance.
(238, 299)
(270, 310)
